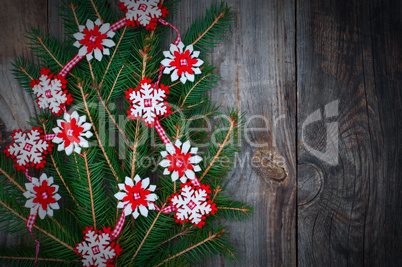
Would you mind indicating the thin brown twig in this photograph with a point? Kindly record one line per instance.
(112, 57)
(39, 259)
(146, 235)
(37, 227)
(217, 190)
(122, 133)
(26, 73)
(238, 209)
(137, 129)
(12, 180)
(185, 231)
(96, 10)
(188, 249)
(209, 28)
(90, 189)
(232, 123)
(48, 51)
(114, 84)
(192, 88)
(96, 132)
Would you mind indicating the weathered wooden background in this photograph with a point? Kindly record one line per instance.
(321, 81)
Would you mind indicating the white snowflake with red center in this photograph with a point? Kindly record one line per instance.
(97, 249)
(148, 101)
(180, 161)
(70, 133)
(143, 12)
(193, 204)
(42, 196)
(136, 197)
(93, 39)
(28, 148)
(50, 92)
(183, 61)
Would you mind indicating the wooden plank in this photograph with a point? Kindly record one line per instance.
(16, 17)
(257, 66)
(349, 74)
(16, 106)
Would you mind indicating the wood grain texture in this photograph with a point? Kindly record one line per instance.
(16, 17)
(283, 62)
(349, 212)
(256, 62)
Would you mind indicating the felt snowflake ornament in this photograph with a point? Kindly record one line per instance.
(97, 248)
(148, 101)
(193, 204)
(94, 39)
(183, 61)
(70, 133)
(180, 161)
(136, 196)
(143, 12)
(28, 148)
(50, 92)
(42, 196)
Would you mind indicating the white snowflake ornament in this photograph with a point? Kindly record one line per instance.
(193, 204)
(28, 149)
(148, 102)
(136, 196)
(42, 196)
(180, 161)
(94, 39)
(70, 133)
(143, 12)
(50, 92)
(183, 61)
(97, 248)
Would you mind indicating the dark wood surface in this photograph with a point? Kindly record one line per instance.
(321, 82)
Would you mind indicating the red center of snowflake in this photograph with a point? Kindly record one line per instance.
(148, 103)
(95, 250)
(183, 62)
(143, 7)
(191, 205)
(28, 147)
(48, 93)
(70, 132)
(136, 195)
(179, 162)
(44, 195)
(93, 39)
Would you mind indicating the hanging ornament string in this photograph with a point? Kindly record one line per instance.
(178, 39)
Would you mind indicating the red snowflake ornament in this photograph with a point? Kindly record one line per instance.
(148, 102)
(97, 249)
(28, 149)
(193, 204)
(143, 12)
(50, 92)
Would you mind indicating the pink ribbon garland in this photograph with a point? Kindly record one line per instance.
(161, 132)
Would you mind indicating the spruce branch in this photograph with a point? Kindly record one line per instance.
(202, 35)
(237, 209)
(192, 88)
(184, 232)
(210, 238)
(40, 40)
(146, 235)
(84, 155)
(221, 146)
(24, 70)
(80, 86)
(36, 227)
(12, 180)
